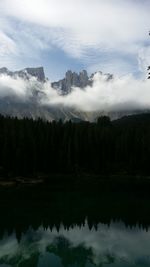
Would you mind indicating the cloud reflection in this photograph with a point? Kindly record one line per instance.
(115, 244)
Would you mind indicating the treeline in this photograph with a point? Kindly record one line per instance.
(29, 147)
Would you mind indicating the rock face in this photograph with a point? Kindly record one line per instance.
(72, 79)
(64, 86)
(26, 73)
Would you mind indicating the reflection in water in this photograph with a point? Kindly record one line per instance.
(42, 228)
(115, 246)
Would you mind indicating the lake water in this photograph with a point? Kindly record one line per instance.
(41, 228)
(113, 245)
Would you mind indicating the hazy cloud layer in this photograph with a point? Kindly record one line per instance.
(124, 93)
(114, 95)
(88, 30)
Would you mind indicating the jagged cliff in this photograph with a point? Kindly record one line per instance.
(64, 86)
(73, 79)
(26, 73)
(31, 107)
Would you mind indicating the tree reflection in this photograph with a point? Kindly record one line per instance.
(70, 255)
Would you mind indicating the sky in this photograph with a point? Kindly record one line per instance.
(110, 36)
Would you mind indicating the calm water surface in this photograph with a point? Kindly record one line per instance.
(74, 230)
(115, 246)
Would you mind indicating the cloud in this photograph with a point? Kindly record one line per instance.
(9, 87)
(126, 93)
(17, 88)
(92, 22)
(76, 27)
(144, 58)
(118, 94)
(7, 46)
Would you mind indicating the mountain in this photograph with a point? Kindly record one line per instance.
(26, 73)
(73, 79)
(64, 86)
(31, 106)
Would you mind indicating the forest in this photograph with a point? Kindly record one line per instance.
(36, 148)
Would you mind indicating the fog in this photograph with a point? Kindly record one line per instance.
(116, 94)
(119, 93)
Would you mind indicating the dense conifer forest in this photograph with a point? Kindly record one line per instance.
(29, 147)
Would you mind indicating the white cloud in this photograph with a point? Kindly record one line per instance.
(118, 94)
(77, 26)
(126, 93)
(91, 22)
(144, 58)
(17, 87)
(7, 45)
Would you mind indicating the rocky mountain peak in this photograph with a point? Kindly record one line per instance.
(63, 86)
(26, 73)
(72, 79)
(3, 70)
(36, 72)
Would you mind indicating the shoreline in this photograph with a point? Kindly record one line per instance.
(77, 181)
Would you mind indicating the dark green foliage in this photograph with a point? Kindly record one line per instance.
(29, 147)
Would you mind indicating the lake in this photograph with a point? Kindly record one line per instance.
(41, 227)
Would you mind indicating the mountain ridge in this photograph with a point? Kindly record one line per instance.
(32, 108)
(26, 73)
(63, 86)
